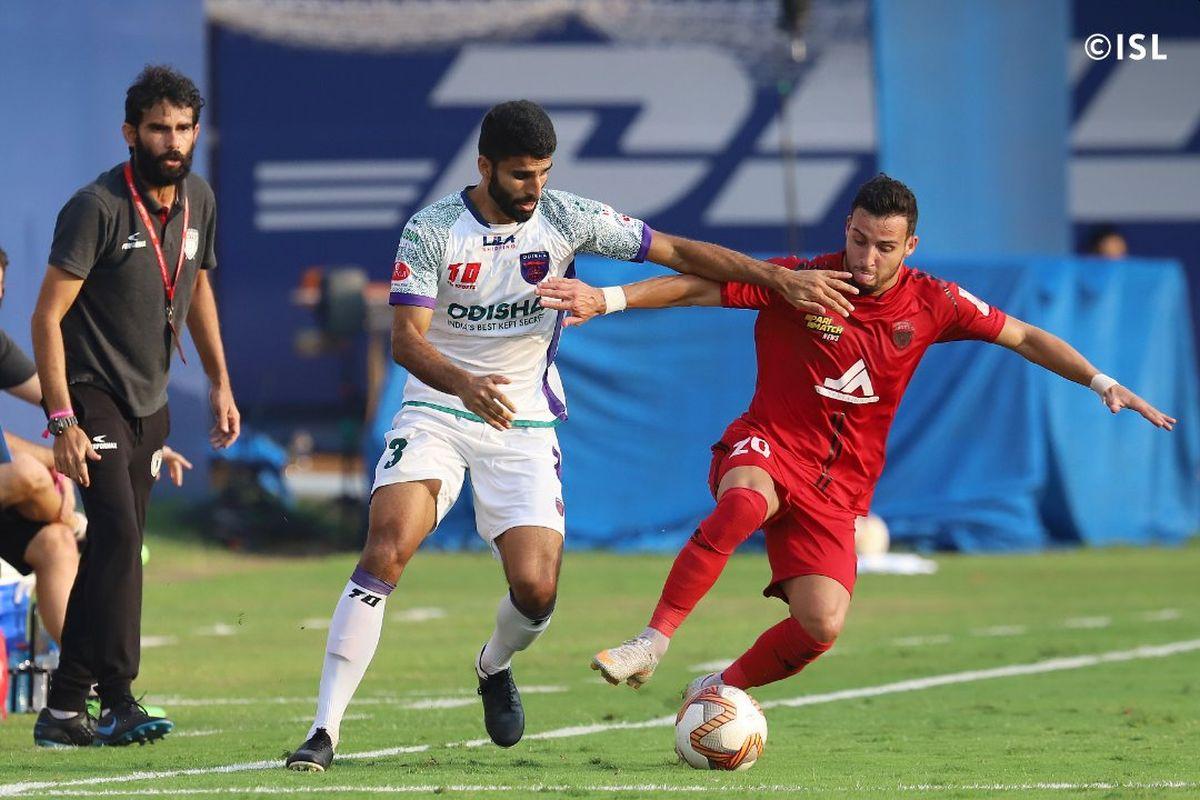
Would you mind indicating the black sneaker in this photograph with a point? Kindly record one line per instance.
(129, 723)
(78, 731)
(503, 715)
(315, 755)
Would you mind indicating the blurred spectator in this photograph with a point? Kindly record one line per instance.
(39, 525)
(18, 376)
(1106, 241)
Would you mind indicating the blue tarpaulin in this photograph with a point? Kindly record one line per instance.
(988, 452)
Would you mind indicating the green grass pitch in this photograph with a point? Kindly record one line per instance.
(239, 641)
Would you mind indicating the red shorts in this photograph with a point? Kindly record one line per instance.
(808, 535)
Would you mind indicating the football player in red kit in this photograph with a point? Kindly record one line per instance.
(803, 461)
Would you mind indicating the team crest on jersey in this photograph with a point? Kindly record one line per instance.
(400, 271)
(902, 333)
(191, 243)
(535, 266)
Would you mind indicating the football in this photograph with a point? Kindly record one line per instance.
(871, 535)
(720, 727)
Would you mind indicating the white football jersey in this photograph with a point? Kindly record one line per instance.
(479, 279)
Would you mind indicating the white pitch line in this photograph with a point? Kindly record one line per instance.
(1001, 630)
(462, 697)
(1087, 623)
(351, 717)
(159, 641)
(417, 615)
(918, 684)
(922, 641)
(1162, 615)
(711, 666)
(658, 788)
(970, 676)
(188, 734)
(216, 629)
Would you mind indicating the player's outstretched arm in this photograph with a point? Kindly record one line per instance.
(583, 301)
(1047, 350)
(811, 289)
(480, 394)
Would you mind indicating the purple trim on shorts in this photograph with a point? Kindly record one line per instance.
(647, 236)
(372, 584)
(406, 299)
(557, 463)
(557, 407)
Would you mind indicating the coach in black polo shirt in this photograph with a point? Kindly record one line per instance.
(128, 266)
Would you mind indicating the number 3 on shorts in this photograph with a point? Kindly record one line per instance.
(397, 447)
(754, 443)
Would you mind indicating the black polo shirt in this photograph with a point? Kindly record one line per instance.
(15, 366)
(116, 334)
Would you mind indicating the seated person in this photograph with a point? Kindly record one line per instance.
(38, 525)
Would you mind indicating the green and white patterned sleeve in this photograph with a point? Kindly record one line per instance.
(418, 265)
(593, 227)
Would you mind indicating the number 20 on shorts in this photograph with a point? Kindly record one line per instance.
(754, 443)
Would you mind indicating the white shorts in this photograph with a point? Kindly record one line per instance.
(516, 475)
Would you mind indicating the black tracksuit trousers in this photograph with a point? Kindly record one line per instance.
(102, 635)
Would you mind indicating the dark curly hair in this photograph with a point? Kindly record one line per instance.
(156, 83)
(517, 128)
(883, 196)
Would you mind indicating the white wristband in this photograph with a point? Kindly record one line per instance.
(1101, 383)
(614, 299)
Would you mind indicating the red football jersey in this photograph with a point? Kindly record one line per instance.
(828, 386)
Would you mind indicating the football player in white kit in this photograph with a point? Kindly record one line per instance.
(484, 395)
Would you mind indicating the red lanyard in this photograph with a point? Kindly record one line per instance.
(169, 283)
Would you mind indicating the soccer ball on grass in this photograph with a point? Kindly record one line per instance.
(720, 727)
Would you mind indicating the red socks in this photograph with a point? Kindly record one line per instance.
(780, 652)
(739, 513)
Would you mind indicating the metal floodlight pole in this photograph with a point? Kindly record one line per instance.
(792, 18)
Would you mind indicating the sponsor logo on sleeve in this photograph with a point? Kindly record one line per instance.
(400, 271)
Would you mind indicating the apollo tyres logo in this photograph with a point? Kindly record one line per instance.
(1123, 47)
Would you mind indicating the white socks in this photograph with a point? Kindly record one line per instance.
(514, 632)
(353, 637)
(659, 641)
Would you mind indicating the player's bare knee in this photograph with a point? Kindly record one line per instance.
(535, 596)
(384, 556)
(28, 476)
(823, 625)
(54, 544)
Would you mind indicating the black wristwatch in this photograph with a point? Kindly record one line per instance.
(58, 426)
